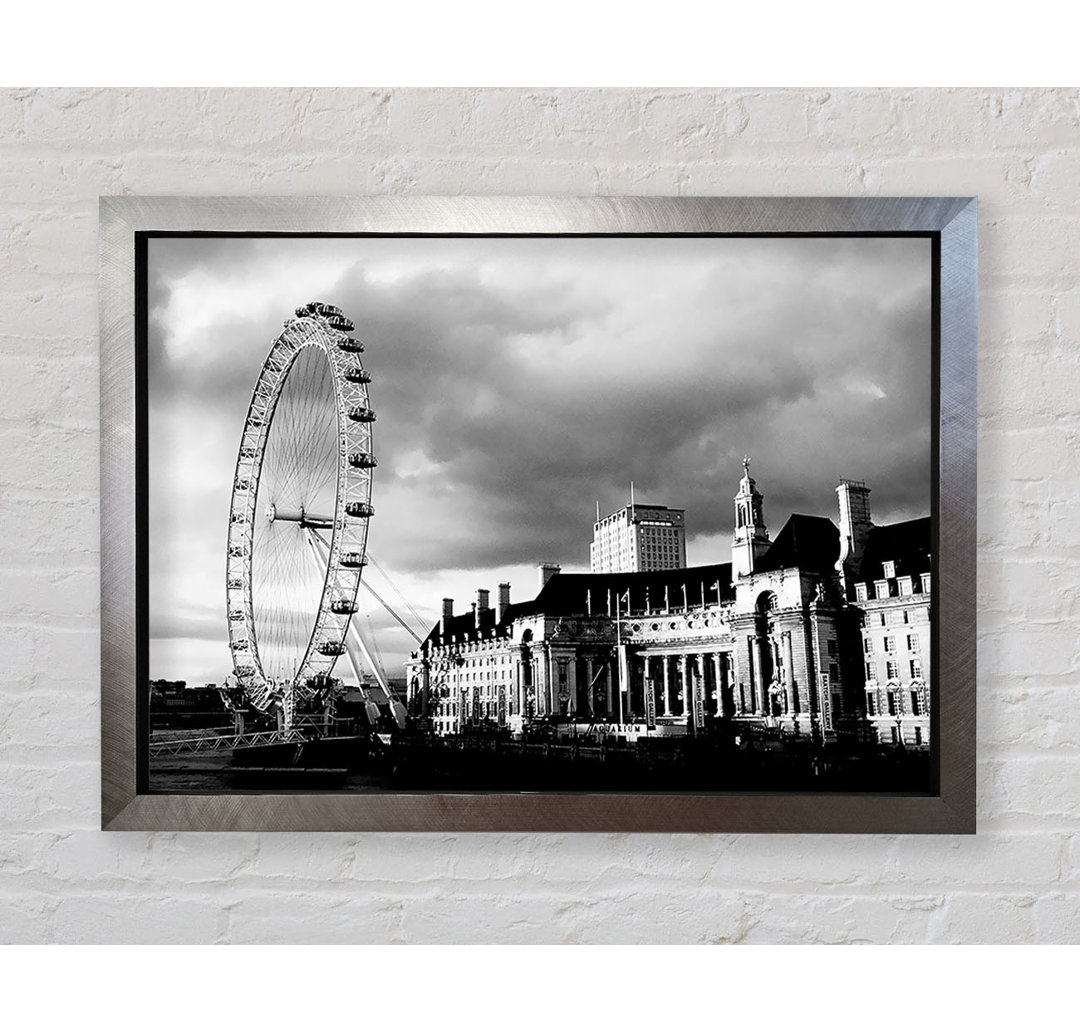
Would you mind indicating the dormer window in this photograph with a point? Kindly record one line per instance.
(889, 568)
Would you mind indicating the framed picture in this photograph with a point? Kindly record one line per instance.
(578, 514)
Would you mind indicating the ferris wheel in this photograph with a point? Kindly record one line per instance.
(298, 522)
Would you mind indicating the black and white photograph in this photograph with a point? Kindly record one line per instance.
(529, 514)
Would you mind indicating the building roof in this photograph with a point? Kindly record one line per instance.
(811, 543)
(577, 594)
(567, 595)
(907, 544)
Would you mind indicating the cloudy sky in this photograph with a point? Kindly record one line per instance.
(518, 380)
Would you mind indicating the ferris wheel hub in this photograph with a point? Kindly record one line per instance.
(299, 516)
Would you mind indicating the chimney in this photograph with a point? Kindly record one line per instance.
(447, 613)
(504, 601)
(855, 526)
(482, 597)
(546, 572)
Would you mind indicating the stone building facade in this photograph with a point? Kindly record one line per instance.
(819, 632)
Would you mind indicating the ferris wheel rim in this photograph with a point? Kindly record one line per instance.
(345, 550)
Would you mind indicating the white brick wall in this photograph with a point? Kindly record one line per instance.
(1017, 881)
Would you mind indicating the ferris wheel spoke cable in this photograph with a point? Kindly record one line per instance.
(366, 585)
(401, 595)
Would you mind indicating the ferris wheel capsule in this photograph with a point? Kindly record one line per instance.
(293, 568)
(362, 460)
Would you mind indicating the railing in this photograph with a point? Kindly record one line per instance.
(218, 743)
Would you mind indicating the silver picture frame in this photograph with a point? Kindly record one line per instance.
(951, 221)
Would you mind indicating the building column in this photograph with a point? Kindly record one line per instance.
(542, 679)
(684, 683)
(777, 669)
(624, 684)
(589, 684)
(608, 687)
(789, 675)
(727, 679)
(551, 696)
(767, 659)
(666, 661)
(732, 675)
(753, 675)
(718, 678)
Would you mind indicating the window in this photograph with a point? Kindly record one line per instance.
(871, 674)
(904, 584)
(871, 705)
(890, 670)
(889, 569)
(881, 589)
(907, 617)
(881, 618)
(834, 672)
(915, 708)
(892, 704)
(860, 593)
(889, 644)
(918, 736)
(831, 647)
(913, 643)
(916, 669)
(895, 736)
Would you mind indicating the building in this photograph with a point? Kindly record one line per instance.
(820, 632)
(892, 594)
(639, 538)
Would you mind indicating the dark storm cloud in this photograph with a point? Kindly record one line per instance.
(812, 382)
(518, 381)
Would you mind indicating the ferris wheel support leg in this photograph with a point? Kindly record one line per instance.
(353, 638)
(353, 635)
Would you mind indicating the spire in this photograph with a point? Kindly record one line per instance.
(751, 539)
(746, 485)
